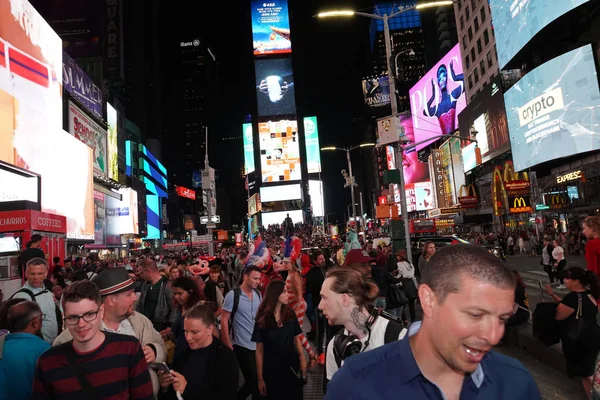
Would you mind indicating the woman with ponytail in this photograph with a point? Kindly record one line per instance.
(579, 332)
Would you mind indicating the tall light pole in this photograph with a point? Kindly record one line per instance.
(350, 178)
(394, 103)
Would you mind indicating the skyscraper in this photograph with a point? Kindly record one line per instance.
(477, 44)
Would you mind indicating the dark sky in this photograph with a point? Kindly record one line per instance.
(329, 59)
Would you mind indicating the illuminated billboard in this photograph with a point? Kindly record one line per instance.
(185, 192)
(99, 221)
(279, 151)
(153, 213)
(113, 149)
(313, 151)
(87, 131)
(270, 27)
(121, 216)
(281, 192)
(315, 191)
(275, 87)
(553, 110)
(248, 138)
(438, 98)
(277, 217)
(81, 86)
(516, 23)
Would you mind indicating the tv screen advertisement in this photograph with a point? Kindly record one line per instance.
(484, 119)
(553, 110)
(121, 216)
(279, 151)
(99, 221)
(517, 22)
(270, 27)
(469, 156)
(112, 144)
(376, 91)
(313, 151)
(275, 87)
(87, 131)
(315, 190)
(248, 139)
(81, 86)
(437, 99)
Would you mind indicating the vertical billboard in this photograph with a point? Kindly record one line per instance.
(553, 110)
(376, 91)
(87, 131)
(517, 22)
(279, 151)
(484, 119)
(112, 144)
(99, 222)
(121, 216)
(313, 151)
(31, 135)
(81, 86)
(275, 87)
(153, 213)
(270, 27)
(438, 98)
(315, 191)
(248, 138)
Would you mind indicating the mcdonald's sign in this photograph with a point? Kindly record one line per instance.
(519, 204)
(467, 196)
(557, 201)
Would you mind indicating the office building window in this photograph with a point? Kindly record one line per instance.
(472, 53)
(468, 61)
(470, 82)
(482, 67)
(470, 33)
(476, 74)
(482, 12)
(479, 48)
(462, 23)
(476, 23)
(464, 40)
(489, 59)
(459, 4)
(467, 13)
(486, 37)
(473, 4)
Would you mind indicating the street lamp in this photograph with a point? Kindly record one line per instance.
(394, 103)
(350, 179)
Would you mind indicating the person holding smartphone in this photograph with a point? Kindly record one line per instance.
(206, 370)
(280, 361)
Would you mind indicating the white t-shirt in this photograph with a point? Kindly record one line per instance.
(558, 251)
(377, 340)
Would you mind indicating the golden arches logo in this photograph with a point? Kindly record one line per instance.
(497, 181)
(511, 175)
(519, 202)
(557, 199)
(468, 190)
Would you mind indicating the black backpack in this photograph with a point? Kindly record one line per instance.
(59, 318)
(236, 302)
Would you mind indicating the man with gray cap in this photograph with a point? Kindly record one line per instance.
(118, 297)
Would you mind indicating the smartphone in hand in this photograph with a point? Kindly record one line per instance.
(160, 366)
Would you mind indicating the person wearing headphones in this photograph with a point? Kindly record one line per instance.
(345, 299)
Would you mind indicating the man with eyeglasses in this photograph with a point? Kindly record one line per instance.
(95, 363)
(20, 349)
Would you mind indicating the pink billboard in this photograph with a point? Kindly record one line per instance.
(438, 98)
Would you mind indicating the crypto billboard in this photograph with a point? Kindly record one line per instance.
(275, 87)
(438, 98)
(279, 151)
(552, 111)
(270, 27)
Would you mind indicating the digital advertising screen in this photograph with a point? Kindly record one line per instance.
(376, 91)
(424, 196)
(311, 139)
(484, 119)
(153, 212)
(553, 110)
(270, 27)
(437, 99)
(277, 217)
(275, 87)
(248, 138)
(87, 131)
(281, 192)
(112, 144)
(279, 151)
(121, 216)
(315, 191)
(81, 86)
(517, 22)
(99, 222)
(469, 156)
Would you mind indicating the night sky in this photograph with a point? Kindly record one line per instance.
(330, 57)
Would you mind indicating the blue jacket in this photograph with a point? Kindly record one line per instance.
(18, 358)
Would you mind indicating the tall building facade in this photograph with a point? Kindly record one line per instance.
(477, 44)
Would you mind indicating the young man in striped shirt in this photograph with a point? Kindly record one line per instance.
(95, 364)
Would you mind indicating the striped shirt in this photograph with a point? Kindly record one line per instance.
(116, 370)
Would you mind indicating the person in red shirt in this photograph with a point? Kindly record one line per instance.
(591, 230)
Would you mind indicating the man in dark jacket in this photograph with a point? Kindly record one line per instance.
(32, 251)
(314, 281)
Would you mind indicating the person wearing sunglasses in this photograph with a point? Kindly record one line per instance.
(116, 362)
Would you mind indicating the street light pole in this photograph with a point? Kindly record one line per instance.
(351, 185)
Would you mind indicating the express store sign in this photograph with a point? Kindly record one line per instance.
(21, 220)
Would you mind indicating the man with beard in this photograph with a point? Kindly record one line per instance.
(118, 299)
(467, 295)
(93, 363)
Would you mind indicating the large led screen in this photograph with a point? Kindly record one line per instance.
(270, 27)
(275, 87)
(121, 216)
(438, 98)
(279, 151)
(313, 151)
(315, 191)
(99, 221)
(553, 110)
(277, 217)
(248, 139)
(280, 193)
(484, 119)
(517, 22)
(87, 131)
(113, 149)
(31, 135)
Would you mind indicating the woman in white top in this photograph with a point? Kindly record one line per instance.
(409, 283)
(558, 254)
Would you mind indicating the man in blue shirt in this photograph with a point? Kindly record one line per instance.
(20, 350)
(467, 295)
